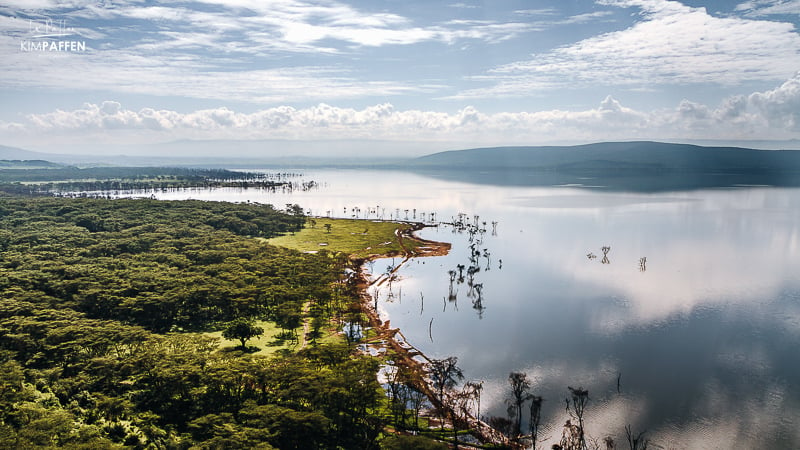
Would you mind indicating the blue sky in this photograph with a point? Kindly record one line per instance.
(444, 74)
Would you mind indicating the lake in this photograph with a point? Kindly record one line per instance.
(687, 328)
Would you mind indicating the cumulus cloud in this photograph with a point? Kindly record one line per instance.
(780, 106)
(771, 114)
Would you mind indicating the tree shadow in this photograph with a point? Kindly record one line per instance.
(238, 349)
(281, 339)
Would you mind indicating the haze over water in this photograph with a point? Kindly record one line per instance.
(703, 341)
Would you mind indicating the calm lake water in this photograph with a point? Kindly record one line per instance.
(699, 346)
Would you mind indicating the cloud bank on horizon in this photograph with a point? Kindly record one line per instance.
(588, 70)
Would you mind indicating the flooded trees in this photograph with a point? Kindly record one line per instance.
(638, 442)
(573, 436)
(605, 251)
(452, 295)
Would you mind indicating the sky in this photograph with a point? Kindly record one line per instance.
(408, 76)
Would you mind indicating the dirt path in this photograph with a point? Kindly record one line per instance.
(306, 324)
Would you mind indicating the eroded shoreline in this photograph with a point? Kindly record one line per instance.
(392, 340)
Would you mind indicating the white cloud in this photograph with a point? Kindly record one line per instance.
(780, 106)
(586, 17)
(295, 25)
(166, 74)
(537, 12)
(771, 114)
(672, 44)
(227, 49)
(769, 7)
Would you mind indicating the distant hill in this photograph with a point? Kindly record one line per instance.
(14, 153)
(642, 156)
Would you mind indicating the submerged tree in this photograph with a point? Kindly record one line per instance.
(580, 397)
(638, 442)
(605, 251)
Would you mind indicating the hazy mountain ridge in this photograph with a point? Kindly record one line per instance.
(628, 156)
(14, 153)
(605, 157)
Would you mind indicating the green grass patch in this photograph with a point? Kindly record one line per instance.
(359, 238)
(266, 342)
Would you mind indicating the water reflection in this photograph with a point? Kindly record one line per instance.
(653, 337)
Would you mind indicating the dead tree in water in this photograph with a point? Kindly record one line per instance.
(638, 442)
(580, 397)
(461, 268)
(605, 251)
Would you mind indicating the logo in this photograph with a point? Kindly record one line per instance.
(50, 35)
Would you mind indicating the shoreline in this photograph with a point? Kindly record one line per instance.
(407, 354)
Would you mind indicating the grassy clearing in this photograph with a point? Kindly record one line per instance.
(266, 342)
(359, 238)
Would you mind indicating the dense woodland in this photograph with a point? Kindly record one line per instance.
(103, 302)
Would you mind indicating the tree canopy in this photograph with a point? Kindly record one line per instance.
(101, 311)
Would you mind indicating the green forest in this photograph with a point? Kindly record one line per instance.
(105, 317)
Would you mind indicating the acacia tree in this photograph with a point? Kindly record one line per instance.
(417, 400)
(445, 375)
(243, 330)
(397, 386)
